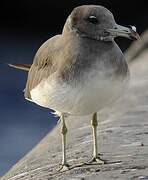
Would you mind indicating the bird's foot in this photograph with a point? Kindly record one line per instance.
(96, 161)
(93, 161)
(64, 167)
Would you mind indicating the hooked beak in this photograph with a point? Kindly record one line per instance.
(128, 32)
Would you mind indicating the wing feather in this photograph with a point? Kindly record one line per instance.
(24, 67)
(43, 65)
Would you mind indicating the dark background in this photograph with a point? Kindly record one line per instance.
(24, 26)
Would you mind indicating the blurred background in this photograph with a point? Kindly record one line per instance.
(24, 26)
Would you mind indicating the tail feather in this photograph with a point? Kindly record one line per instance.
(24, 67)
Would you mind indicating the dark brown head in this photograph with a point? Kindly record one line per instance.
(97, 22)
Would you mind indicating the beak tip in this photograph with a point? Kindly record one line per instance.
(135, 36)
(138, 37)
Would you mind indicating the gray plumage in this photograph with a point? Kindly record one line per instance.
(73, 53)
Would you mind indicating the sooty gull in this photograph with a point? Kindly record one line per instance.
(81, 70)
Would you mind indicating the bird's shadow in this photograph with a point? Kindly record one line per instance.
(84, 165)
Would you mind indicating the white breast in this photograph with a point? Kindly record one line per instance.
(84, 98)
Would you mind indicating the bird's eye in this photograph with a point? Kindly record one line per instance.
(93, 19)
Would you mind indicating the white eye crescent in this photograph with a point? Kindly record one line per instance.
(92, 19)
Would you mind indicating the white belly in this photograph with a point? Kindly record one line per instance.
(84, 99)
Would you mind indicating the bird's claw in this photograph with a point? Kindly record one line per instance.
(64, 167)
(96, 161)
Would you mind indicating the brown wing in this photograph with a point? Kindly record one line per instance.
(43, 65)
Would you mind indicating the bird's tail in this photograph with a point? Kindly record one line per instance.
(24, 67)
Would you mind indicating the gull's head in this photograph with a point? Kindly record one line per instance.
(97, 22)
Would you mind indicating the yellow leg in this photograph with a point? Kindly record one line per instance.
(96, 159)
(65, 165)
(94, 124)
